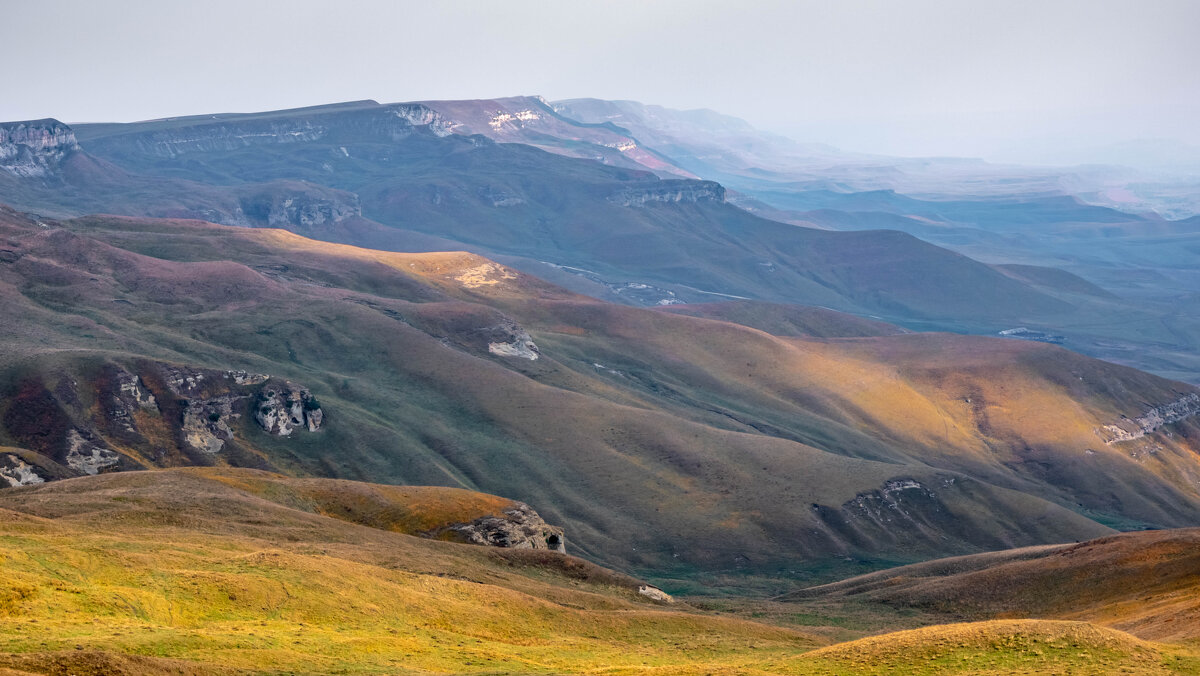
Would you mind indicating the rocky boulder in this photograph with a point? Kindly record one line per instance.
(520, 528)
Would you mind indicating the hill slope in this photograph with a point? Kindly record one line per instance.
(672, 445)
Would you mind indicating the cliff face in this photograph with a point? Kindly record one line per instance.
(671, 192)
(34, 149)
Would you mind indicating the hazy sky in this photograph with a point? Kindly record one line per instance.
(1006, 80)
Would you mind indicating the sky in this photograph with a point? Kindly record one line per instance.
(1018, 81)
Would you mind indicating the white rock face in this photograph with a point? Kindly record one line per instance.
(17, 472)
(419, 115)
(34, 149)
(520, 348)
(87, 457)
(517, 119)
(487, 274)
(281, 409)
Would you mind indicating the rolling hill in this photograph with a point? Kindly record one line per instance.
(1143, 583)
(191, 572)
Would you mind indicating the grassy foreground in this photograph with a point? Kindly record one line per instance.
(178, 572)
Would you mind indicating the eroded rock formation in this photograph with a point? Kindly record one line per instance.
(520, 528)
(282, 408)
(16, 472)
(509, 339)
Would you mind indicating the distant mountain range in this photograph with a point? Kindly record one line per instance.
(615, 210)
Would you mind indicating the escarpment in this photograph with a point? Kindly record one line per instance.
(34, 149)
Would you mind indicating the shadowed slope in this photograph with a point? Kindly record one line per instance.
(1144, 583)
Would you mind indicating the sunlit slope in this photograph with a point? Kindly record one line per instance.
(1145, 583)
(1021, 414)
(184, 572)
(787, 320)
(133, 571)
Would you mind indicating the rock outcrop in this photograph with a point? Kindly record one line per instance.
(520, 528)
(89, 455)
(16, 472)
(670, 191)
(283, 408)
(34, 149)
(1165, 414)
(509, 339)
(655, 594)
(420, 115)
(299, 207)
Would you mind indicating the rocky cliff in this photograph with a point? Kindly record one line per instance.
(34, 149)
(672, 192)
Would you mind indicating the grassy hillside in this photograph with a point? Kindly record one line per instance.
(685, 449)
(152, 572)
(180, 572)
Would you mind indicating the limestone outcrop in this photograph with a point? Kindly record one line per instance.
(285, 407)
(34, 149)
(520, 528)
(509, 339)
(14, 471)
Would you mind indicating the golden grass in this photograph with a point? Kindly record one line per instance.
(268, 589)
(1000, 647)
